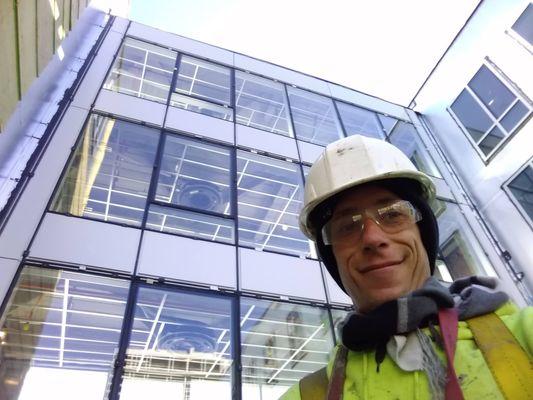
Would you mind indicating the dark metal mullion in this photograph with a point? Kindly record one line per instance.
(174, 77)
(236, 381)
(197, 97)
(343, 128)
(125, 333)
(191, 209)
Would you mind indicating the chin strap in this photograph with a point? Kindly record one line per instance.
(448, 321)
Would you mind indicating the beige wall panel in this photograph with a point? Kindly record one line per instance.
(45, 34)
(8, 62)
(59, 28)
(27, 13)
(74, 9)
(66, 15)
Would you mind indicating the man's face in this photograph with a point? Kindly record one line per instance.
(378, 266)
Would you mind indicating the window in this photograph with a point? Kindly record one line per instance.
(261, 103)
(524, 24)
(143, 70)
(60, 334)
(314, 117)
(109, 175)
(358, 121)
(489, 111)
(180, 347)
(281, 343)
(270, 195)
(405, 137)
(193, 194)
(203, 87)
(521, 189)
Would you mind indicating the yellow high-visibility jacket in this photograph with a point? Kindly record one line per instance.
(364, 382)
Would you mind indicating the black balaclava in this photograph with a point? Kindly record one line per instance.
(406, 189)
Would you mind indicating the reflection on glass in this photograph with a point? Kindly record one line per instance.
(203, 87)
(281, 343)
(405, 137)
(180, 347)
(491, 91)
(195, 175)
(182, 222)
(524, 24)
(109, 175)
(521, 188)
(314, 117)
(358, 121)
(269, 199)
(261, 103)
(471, 115)
(459, 249)
(60, 335)
(143, 70)
(491, 140)
(387, 122)
(338, 317)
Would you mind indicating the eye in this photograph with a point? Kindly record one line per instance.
(393, 215)
(344, 227)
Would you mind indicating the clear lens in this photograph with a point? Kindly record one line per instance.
(391, 218)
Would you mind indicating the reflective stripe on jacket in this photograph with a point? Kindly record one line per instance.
(365, 383)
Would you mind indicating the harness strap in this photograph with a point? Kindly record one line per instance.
(448, 326)
(508, 362)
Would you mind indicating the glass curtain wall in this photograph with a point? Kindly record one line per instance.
(143, 70)
(60, 334)
(261, 103)
(358, 121)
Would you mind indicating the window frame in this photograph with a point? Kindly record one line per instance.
(495, 122)
(505, 187)
(521, 40)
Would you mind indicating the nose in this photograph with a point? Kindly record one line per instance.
(372, 236)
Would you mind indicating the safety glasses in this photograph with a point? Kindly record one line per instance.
(391, 218)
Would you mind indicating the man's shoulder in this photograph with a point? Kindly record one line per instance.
(520, 322)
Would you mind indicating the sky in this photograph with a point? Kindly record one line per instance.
(384, 48)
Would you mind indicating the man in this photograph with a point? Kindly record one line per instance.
(367, 208)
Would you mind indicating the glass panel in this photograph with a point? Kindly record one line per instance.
(387, 122)
(522, 189)
(338, 317)
(490, 141)
(143, 70)
(195, 174)
(270, 197)
(459, 249)
(314, 117)
(205, 81)
(514, 116)
(182, 222)
(60, 334)
(281, 343)
(524, 24)
(491, 91)
(471, 115)
(180, 347)
(109, 175)
(405, 137)
(261, 103)
(358, 121)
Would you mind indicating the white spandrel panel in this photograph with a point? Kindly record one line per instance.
(199, 124)
(281, 275)
(8, 269)
(131, 107)
(282, 74)
(188, 260)
(443, 190)
(85, 242)
(180, 43)
(335, 293)
(367, 101)
(309, 152)
(96, 74)
(24, 219)
(265, 141)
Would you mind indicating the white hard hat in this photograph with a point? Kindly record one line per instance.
(350, 162)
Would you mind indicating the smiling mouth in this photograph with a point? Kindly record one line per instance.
(374, 267)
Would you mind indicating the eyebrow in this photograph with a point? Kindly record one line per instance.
(353, 210)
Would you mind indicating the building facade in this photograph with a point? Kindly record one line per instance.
(151, 247)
